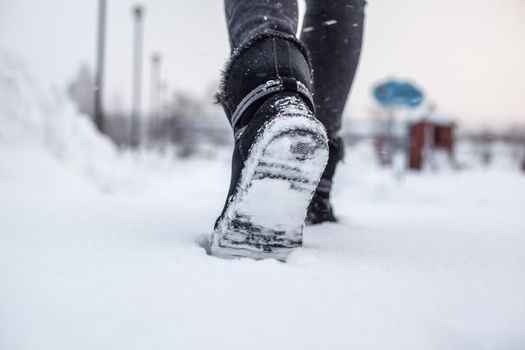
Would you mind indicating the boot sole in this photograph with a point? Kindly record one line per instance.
(265, 217)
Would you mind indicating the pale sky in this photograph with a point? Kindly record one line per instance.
(468, 55)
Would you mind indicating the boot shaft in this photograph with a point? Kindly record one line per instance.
(264, 67)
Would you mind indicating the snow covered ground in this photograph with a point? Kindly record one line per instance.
(101, 250)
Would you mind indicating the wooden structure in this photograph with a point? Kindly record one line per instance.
(428, 131)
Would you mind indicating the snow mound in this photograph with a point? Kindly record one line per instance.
(33, 115)
(44, 121)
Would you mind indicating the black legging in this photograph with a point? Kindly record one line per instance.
(332, 32)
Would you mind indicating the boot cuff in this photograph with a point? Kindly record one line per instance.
(224, 94)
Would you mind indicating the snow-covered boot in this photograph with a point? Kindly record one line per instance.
(320, 209)
(279, 155)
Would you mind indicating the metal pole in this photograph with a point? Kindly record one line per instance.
(390, 135)
(99, 74)
(155, 94)
(138, 12)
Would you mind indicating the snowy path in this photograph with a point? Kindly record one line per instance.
(436, 262)
(100, 251)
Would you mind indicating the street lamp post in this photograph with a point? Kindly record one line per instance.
(99, 74)
(138, 12)
(155, 94)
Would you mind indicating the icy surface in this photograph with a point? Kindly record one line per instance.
(104, 251)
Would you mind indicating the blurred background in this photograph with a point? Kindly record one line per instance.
(154, 67)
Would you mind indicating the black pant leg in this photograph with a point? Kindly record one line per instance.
(332, 31)
(247, 19)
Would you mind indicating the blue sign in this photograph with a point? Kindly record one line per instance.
(397, 94)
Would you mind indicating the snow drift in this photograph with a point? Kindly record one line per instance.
(41, 125)
(426, 261)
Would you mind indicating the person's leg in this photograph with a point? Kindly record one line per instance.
(264, 47)
(280, 148)
(248, 19)
(332, 31)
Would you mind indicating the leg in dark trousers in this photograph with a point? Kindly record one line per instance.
(281, 145)
(280, 149)
(264, 47)
(248, 19)
(332, 31)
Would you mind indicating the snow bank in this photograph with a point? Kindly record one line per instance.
(41, 126)
(32, 116)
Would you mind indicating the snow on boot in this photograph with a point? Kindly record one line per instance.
(288, 150)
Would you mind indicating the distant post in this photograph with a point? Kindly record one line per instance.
(138, 12)
(155, 94)
(99, 74)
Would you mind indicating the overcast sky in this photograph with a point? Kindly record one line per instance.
(468, 55)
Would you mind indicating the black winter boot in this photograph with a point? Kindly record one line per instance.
(279, 155)
(320, 209)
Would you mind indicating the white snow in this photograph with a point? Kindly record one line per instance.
(100, 250)
(329, 22)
